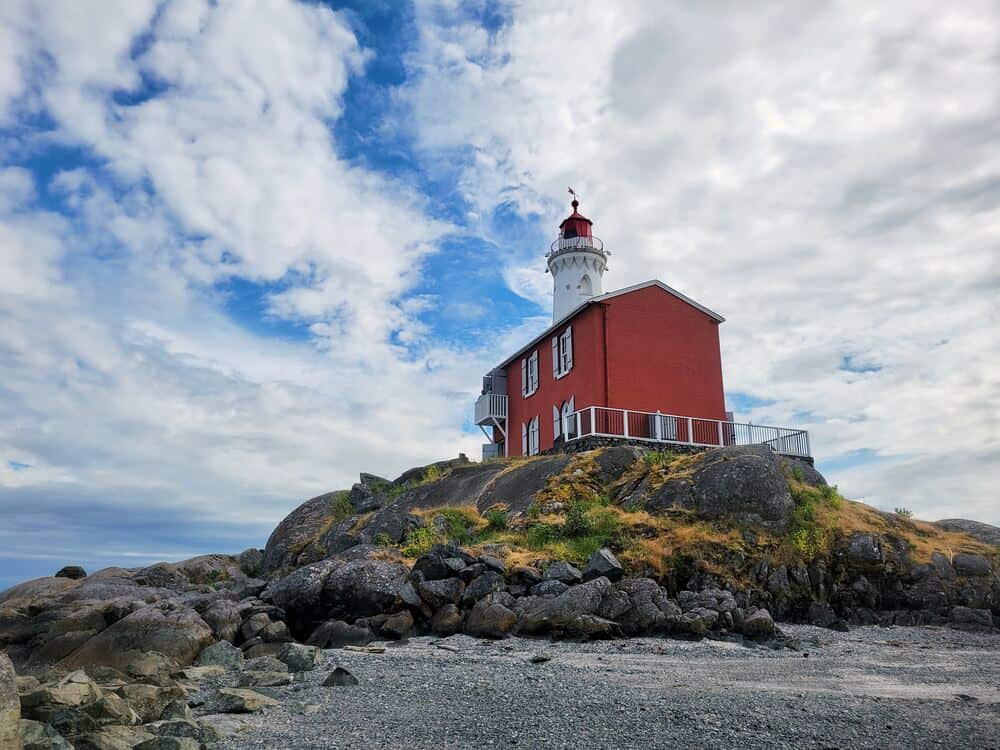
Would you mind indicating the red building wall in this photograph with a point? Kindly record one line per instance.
(663, 355)
(645, 350)
(585, 382)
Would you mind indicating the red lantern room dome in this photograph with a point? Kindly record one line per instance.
(576, 224)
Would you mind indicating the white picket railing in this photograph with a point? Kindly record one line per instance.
(490, 406)
(655, 427)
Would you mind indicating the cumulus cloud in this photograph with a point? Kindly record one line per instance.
(824, 175)
(201, 151)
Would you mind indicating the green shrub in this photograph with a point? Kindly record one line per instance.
(904, 512)
(419, 541)
(657, 458)
(496, 519)
(383, 540)
(540, 534)
(340, 507)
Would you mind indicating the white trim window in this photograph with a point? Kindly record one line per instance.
(533, 436)
(568, 420)
(562, 353)
(529, 374)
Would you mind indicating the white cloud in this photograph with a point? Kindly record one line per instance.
(123, 384)
(824, 175)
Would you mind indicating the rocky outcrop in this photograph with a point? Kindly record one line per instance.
(10, 706)
(745, 484)
(984, 532)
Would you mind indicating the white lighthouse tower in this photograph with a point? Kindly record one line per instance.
(577, 262)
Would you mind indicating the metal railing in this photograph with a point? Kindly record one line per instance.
(575, 243)
(655, 427)
(492, 450)
(490, 406)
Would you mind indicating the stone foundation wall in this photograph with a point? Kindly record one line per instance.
(591, 442)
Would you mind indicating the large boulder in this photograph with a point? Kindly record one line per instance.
(174, 631)
(970, 564)
(491, 618)
(649, 609)
(10, 706)
(562, 613)
(361, 588)
(603, 563)
(743, 483)
(299, 530)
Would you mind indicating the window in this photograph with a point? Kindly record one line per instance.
(529, 437)
(562, 353)
(529, 374)
(568, 420)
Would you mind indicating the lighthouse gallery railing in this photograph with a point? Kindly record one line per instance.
(654, 427)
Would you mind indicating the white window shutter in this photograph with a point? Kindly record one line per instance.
(533, 372)
(556, 367)
(524, 439)
(569, 348)
(524, 378)
(572, 404)
(555, 422)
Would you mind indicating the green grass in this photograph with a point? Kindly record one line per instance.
(807, 537)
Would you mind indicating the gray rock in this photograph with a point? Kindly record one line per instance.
(242, 701)
(223, 617)
(447, 620)
(178, 709)
(111, 709)
(758, 624)
(169, 743)
(36, 735)
(361, 588)
(149, 701)
(559, 613)
(490, 618)
(270, 663)
(984, 532)
(943, 567)
(10, 706)
(73, 572)
(743, 483)
(300, 658)
(340, 677)
(563, 571)
(221, 654)
(493, 563)
(336, 633)
(112, 738)
(865, 551)
(488, 583)
(397, 626)
(197, 730)
(551, 587)
(437, 593)
(971, 619)
(970, 564)
(252, 679)
(299, 529)
(253, 625)
(603, 563)
(174, 631)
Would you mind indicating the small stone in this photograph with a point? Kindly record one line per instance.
(221, 654)
(169, 743)
(540, 658)
(563, 571)
(242, 701)
(266, 679)
(299, 658)
(340, 677)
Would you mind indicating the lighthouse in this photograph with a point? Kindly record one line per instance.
(577, 262)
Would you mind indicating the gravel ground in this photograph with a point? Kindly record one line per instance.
(870, 688)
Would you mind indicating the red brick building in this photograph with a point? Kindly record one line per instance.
(639, 364)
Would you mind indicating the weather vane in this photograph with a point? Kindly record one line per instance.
(576, 198)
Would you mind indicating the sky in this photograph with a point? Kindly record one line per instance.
(249, 249)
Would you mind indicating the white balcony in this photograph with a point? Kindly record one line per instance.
(491, 408)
